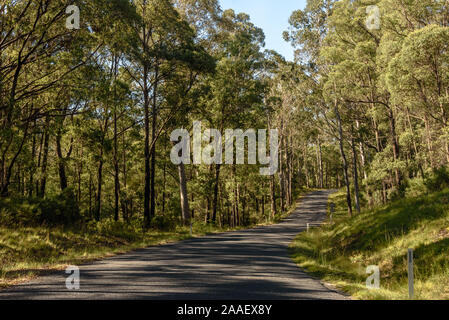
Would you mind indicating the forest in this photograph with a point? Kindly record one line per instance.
(86, 113)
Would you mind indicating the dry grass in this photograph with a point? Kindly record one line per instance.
(340, 253)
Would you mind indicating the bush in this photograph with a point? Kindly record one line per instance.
(19, 211)
(165, 223)
(60, 210)
(438, 180)
(416, 187)
(111, 228)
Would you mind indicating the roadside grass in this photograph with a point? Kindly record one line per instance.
(28, 252)
(339, 253)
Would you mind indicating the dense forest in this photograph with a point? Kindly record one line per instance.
(374, 74)
(86, 113)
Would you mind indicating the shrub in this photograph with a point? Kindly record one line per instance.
(19, 211)
(416, 187)
(111, 228)
(438, 180)
(165, 223)
(60, 210)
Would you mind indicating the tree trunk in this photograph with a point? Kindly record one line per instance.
(207, 209)
(164, 186)
(153, 149)
(61, 163)
(90, 193)
(237, 203)
(345, 161)
(146, 205)
(395, 145)
(80, 172)
(282, 174)
(116, 158)
(184, 194)
(116, 172)
(306, 168)
(273, 197)
(124, 198)
(355, 175)
(99, 188)
(45, 159)
(319, 156)
(215, 201)
(290, 174)
(32, 168)
(263, 206)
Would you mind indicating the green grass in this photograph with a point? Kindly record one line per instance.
(27, 252)
(341, 252)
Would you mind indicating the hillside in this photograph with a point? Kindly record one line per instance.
(339, 253)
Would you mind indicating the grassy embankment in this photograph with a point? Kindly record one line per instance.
(339, 253)
(27, 252)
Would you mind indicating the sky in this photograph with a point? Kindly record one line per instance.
(270, 15)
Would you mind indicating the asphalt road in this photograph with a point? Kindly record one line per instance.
(244, 265)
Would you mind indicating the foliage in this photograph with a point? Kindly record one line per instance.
(86, 115)
(438, 180)
(60, 210)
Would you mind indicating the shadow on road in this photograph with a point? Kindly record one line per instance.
(252, 264)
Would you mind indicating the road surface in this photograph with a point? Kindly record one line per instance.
(244, 265)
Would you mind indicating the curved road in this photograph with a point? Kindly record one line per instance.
(244, 265)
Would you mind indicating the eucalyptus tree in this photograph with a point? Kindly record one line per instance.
(422, 25)
(38, 56)
(160, 45)
(235, 88)
(181, 94)
(350, 51)
(309, 31)
(190, 81)
(31, 38)
(417, 80)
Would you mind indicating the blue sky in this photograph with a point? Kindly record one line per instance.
(270, 15)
